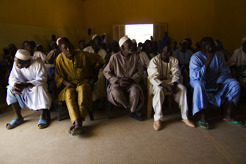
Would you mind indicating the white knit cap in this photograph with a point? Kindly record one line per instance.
(93, 37)
(123, 40)
(184, 41)
(23, 54)
(57, 41)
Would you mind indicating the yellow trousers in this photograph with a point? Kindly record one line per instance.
(78, 100)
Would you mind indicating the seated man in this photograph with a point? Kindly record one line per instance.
(73, 73)
(124, 71)
(99, 91)
(212, 84)
(183, 55)
(146, 55)
(238, 61)
(28, 88)
(29, 46)
(163, 72)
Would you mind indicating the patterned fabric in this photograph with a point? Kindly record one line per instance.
(78, 72)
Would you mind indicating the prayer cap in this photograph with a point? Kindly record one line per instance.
(60, 41)
(123, 40)
(244, 39)
(94, 36)
(23, 54)
(184, 41)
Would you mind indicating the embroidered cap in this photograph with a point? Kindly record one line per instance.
(23, 54)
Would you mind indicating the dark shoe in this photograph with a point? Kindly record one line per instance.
(137, 115)
(75, 131)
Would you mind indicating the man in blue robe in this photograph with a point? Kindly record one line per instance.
(212, 83)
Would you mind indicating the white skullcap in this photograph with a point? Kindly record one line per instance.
(23, 54)
(123, 40)
(184, 41)
(244, 39)
(93, 37)
(57, 41)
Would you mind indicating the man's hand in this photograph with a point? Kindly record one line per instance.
(170, 88)
(19, 86)
(15, 91)
(68, 84)
(210, 54)
(124, 82)
(218, 86)
(174, 88)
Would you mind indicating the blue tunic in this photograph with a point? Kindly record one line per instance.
(202, 79)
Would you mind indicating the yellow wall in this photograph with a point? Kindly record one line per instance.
(37, 20)
(220, 19)
(230, 22)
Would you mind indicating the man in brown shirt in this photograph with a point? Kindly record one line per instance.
(124, 72)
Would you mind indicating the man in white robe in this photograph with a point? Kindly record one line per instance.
(163, 73)
(28, 88)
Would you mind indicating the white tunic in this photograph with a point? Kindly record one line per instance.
(40, 54)
(160, 71)
(238, 58)
(36, 97)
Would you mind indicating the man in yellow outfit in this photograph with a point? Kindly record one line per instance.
(73, 72)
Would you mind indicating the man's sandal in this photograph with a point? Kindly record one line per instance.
(234, 122)
(42, 124)
(14, 123)
(75, 131)
(204, 125)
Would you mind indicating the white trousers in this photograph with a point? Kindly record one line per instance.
(159, 96)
